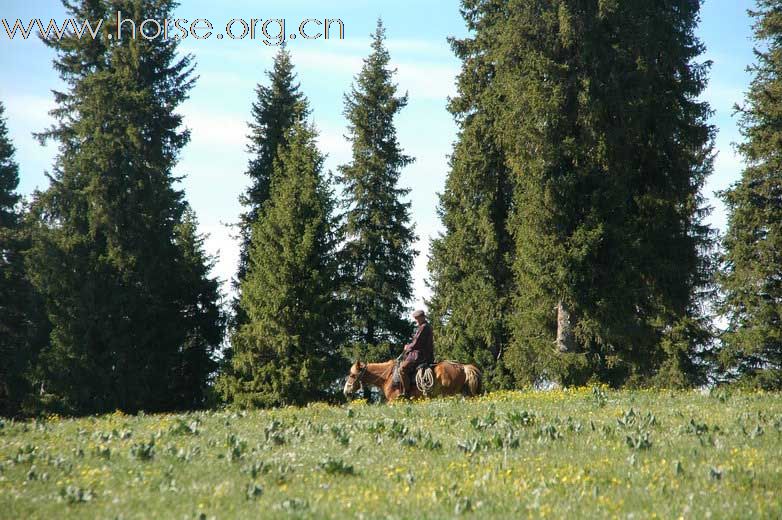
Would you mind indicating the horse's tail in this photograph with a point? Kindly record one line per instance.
(473, 379)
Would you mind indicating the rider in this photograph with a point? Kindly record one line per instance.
(419, 351)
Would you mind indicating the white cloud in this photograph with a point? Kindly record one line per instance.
(29, 110)
(432, 81)
(229, 50)
(422, 48)
(215, 129)
(320, 60)
(424, 80)
(333, 142)
(728, 163)
(221, 244)
(225, 248)
(420, 272)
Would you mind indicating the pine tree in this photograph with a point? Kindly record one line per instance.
(664, 149)
(751, 279)
(12, 290)
(201, 307)
(109, 257)
(22, 327)
(609, 148)
(377, 257)
(9, 181)
(276, 108)
(470, 263)
(285, 352)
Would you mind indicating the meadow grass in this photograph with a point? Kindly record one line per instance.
(581, 453)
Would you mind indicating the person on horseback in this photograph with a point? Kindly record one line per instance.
(418, 352)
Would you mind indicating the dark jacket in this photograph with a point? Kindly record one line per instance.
(421, 348)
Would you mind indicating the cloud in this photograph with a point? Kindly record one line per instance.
(431, 81)
(420, 272)
(215, 129)
(29, 110)
(333, 142)
(424, 80)
(421, 48)
(325, 60)
(221, 244)
(229, 50)
(225, 248)
(728, 162)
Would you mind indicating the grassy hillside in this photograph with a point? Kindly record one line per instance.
(577, 453)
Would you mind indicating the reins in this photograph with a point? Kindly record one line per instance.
(360, 376)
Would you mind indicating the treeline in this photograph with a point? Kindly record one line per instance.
(573, 212)
(575, 247)
(107, 298)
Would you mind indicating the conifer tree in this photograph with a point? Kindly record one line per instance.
(12, 291)
(109, 256)
(609, 147)
(201, 308)
(751, 278)
(377, 257)
(22, 327)
(284, 353)
(276, 108)
(470, 263)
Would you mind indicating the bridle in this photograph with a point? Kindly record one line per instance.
(360, 376)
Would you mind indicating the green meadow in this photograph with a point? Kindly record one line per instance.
(581, 453)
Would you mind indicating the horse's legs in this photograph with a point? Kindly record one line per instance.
(390, 392)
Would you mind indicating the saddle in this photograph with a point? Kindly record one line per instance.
(396, 375)
(423, 376)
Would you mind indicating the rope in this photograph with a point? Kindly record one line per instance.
(424, 380)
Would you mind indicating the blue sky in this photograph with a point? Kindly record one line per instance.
(216, 113)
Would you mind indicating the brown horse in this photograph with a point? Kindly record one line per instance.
(450, 378)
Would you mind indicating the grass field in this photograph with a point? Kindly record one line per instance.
(584, 453)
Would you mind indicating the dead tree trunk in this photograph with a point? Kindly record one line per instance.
(566, 342)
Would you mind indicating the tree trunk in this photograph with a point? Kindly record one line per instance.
(565, 340)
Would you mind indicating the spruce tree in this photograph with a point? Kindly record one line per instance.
(284, 353)
(751, 278)
(470, 263)
(276, 108)
(22, 327)
(10, 218)
(200, 304)
(109, 256)
(377, 257)
(12, 291)
(609, 147)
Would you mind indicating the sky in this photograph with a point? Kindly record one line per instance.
(213, 163)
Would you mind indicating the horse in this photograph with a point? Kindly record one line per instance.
(450, 378)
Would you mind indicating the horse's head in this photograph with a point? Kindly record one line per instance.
(353, 382)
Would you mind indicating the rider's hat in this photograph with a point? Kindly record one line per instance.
(418, 313)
